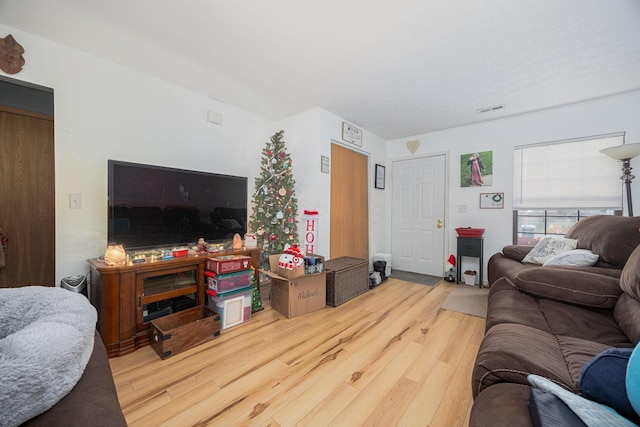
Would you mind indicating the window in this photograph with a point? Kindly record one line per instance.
(530, 225)
(556, 184)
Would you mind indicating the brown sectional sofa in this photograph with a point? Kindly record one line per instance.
(551, 321)
(92, 402)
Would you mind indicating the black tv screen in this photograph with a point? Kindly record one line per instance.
(154, 206)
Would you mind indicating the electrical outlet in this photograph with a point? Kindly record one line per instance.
(75, 201)
(462, 208)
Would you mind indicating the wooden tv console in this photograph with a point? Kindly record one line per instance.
(120, 294)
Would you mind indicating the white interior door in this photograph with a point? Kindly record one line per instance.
(417, 216)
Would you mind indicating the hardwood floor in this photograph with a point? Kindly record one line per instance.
(390, 357)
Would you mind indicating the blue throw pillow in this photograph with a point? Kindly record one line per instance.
(603, 378)
(633, 380)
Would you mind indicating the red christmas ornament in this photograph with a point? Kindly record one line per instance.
(273, 236)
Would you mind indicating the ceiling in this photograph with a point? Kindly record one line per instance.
(395, 68)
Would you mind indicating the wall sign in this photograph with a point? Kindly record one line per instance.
(351, 134)
(325, 165)
(491, 200)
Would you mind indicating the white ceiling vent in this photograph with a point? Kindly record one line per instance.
(490, 109)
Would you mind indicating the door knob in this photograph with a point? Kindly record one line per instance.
(439, 223)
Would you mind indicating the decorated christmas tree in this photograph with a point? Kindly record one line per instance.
(275, 207)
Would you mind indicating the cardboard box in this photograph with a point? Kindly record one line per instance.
(294, 297)
(287, 274)
(299, 295)
(290, 274)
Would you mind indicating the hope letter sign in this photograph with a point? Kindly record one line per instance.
(310, 231)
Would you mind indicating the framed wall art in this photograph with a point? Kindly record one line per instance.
(379, 177)
(476, 169)
(491, 200)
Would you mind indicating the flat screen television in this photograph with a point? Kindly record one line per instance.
(155, 206)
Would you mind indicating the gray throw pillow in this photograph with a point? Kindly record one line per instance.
(547, 248)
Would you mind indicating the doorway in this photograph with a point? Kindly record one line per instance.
(417, 215)
(27, 173)
(349, 229)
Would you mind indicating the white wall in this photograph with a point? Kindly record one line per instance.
(107, 111)
(309, 136)
(606, 115)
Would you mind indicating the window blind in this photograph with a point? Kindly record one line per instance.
(568, 174)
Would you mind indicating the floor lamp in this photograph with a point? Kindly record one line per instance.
(625, 153)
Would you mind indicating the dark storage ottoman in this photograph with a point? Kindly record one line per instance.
(347, 277)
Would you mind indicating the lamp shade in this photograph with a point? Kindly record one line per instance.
(622, 152)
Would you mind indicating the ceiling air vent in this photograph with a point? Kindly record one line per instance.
(490, 109)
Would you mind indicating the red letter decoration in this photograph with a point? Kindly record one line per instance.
(310, 231)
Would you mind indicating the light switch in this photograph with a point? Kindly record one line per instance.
(462, 208)
(75, 201)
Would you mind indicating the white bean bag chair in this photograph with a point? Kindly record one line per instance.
(46, 339)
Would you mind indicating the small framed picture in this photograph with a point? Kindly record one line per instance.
(491, 200)
(379, 177)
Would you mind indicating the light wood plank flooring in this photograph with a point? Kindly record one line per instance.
(390, 357)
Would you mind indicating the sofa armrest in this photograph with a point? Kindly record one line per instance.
(516, 252)
(92, 402)
(569, 286)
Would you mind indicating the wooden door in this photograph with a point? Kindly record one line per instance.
(417, 224)
(27, 202)
(349, 204)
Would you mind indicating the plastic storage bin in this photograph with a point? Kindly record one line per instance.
(234, 307)
(228, 263)
(229, 282)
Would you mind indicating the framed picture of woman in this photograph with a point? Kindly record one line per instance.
(476, 169)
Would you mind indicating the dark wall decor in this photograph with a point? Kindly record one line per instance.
(11, 59)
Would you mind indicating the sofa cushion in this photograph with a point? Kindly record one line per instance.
(500, 265)
(603, 378)
(575, 258)
(547, 409)
(611, 237)
(508, 305)
(510, 352)
(630, 277)
(627, 315)
(501, 405)
(593, 324)
(627, 310)
(547, 248)
(516, 252)
(571, 286)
